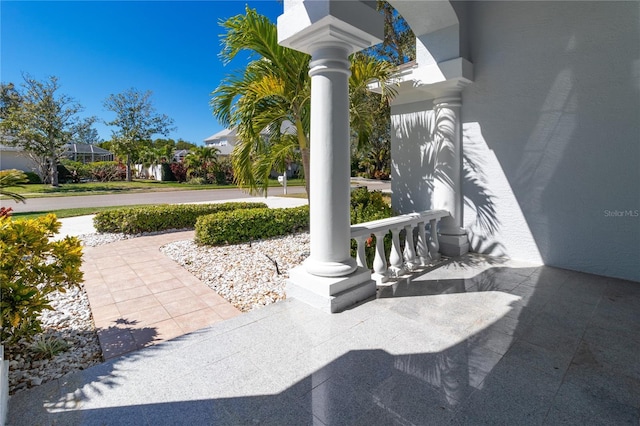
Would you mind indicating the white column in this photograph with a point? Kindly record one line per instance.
(447, 193)
(329, 177)
(329, 30)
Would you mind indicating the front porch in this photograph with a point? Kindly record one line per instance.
(476, 341)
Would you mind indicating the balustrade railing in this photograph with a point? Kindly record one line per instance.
(420, 249)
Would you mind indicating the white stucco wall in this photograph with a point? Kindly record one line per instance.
(556, 104)
(10, 159)
(411, 180)
(552, 122)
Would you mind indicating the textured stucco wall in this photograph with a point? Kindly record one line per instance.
(411, 180)
(552, 124)
(556, 103)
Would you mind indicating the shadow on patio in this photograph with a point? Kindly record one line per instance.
(476, 341)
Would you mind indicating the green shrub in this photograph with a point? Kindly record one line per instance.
(64, 174)
(76, 169)
(134, 220)
(33, 177)
(365, 207)
(107, 171)
(167, 173)
(31, 267)
(179, 171)
(253, 224)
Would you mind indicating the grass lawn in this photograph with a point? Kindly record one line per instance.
(82, 211)
(138, 185)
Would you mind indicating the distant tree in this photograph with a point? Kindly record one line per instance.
(41, 122)
(182, 144)
(202, 162)
(155, 155)
(399, 44)
(9, 98)
(136, 121)
(108, 145)
(162, 142)
(175, 146)
(87, 134)
(371, 153)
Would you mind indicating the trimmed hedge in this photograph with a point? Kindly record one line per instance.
(135, 220)
(252, 224)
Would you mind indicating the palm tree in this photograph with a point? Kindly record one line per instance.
(12, 178)
(275, 88)
(154, 156)
(202, 161)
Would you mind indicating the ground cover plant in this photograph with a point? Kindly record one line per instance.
(161, 218)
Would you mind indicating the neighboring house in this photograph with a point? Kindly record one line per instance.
(12, 157)
(178, 156)
(224, 141)
(86, 153)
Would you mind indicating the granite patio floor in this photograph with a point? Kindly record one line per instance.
(476, 341)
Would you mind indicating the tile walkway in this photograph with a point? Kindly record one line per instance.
(140, 297)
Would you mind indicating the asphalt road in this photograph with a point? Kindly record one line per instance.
(127, 199)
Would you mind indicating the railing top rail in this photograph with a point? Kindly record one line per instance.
(367, 228)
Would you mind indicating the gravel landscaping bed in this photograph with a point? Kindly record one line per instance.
(70, 324)
(247, 275)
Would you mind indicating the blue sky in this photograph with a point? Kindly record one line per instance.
(97, 48)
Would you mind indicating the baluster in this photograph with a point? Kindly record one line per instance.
(380, 261)
(396, 257)
(361, 257)
(434, 246)
(422, 248)
(409, 249)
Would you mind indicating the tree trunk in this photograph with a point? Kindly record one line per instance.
(129, 168)
(54, 171)
(305, 165)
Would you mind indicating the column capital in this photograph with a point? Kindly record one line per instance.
(307, 23)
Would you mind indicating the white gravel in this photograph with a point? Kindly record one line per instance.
(244, 274)
(70, 322)
(247, 275)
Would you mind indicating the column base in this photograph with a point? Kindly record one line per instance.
(330, 294)
(330, 269)
(453, 245)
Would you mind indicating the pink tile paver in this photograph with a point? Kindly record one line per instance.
(140, 297)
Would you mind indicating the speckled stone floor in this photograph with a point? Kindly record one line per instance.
(476, 341)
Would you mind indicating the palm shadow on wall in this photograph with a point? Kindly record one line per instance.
(430, 165)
